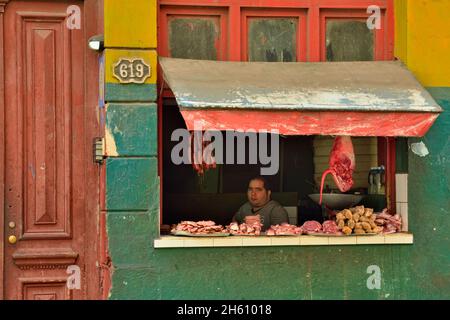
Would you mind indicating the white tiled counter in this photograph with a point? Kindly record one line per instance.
(265, 241)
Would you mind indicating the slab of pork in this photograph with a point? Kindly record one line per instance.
(341, 164)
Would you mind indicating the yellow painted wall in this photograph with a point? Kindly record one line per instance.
(130, 23)
(423, 39)
(401, 29)
(130, 32)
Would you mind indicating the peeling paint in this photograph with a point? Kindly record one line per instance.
(369, 86)
(111, 149)
(116, 130)
(418, 97)
(133, 129)
(420, 149)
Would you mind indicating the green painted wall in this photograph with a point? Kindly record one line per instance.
(132, 129)
(131, 180)
(418, 271)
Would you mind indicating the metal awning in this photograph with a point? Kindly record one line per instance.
(379, 98)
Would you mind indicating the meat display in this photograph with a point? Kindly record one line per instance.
(341, 164)
(357, 220)
(311, 227)
(197, 147)
(284, 229)
(199, 227)
(245, 229)
(389, 223)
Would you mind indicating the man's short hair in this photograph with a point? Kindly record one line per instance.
(264, 180)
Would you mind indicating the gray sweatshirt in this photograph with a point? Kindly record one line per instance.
(272, 213)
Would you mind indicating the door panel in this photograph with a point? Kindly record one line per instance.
(44, 289)
(44, 58)
(47, 125)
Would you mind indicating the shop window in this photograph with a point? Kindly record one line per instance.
(272, 35)
(193, 32)
(345, 36)
(272, 40)
(349, 41)
(193, 38)
(219, 192)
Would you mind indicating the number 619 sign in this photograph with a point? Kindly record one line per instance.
(133, 70)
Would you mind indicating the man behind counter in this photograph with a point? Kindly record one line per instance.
(259, 206)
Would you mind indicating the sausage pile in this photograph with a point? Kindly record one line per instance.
(245, 229)
(284, 229)
(199, 227)
(358, 220)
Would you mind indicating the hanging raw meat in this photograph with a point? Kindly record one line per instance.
(342, 164)
(196, 151)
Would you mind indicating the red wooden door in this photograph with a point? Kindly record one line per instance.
(51, 182)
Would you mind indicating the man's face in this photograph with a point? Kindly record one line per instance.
(257, 193)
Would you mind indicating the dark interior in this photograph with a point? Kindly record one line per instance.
(219, 193)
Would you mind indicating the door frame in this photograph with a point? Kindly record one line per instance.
(3, 3)
(92, 23)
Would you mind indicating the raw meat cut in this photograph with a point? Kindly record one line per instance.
(389, 223)
(199, 227)
(330, 227)
(284, 229)
(341, 164)
(312, 226)
(197, 146)
(247, 229)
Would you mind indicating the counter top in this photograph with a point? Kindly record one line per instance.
(267, 241)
